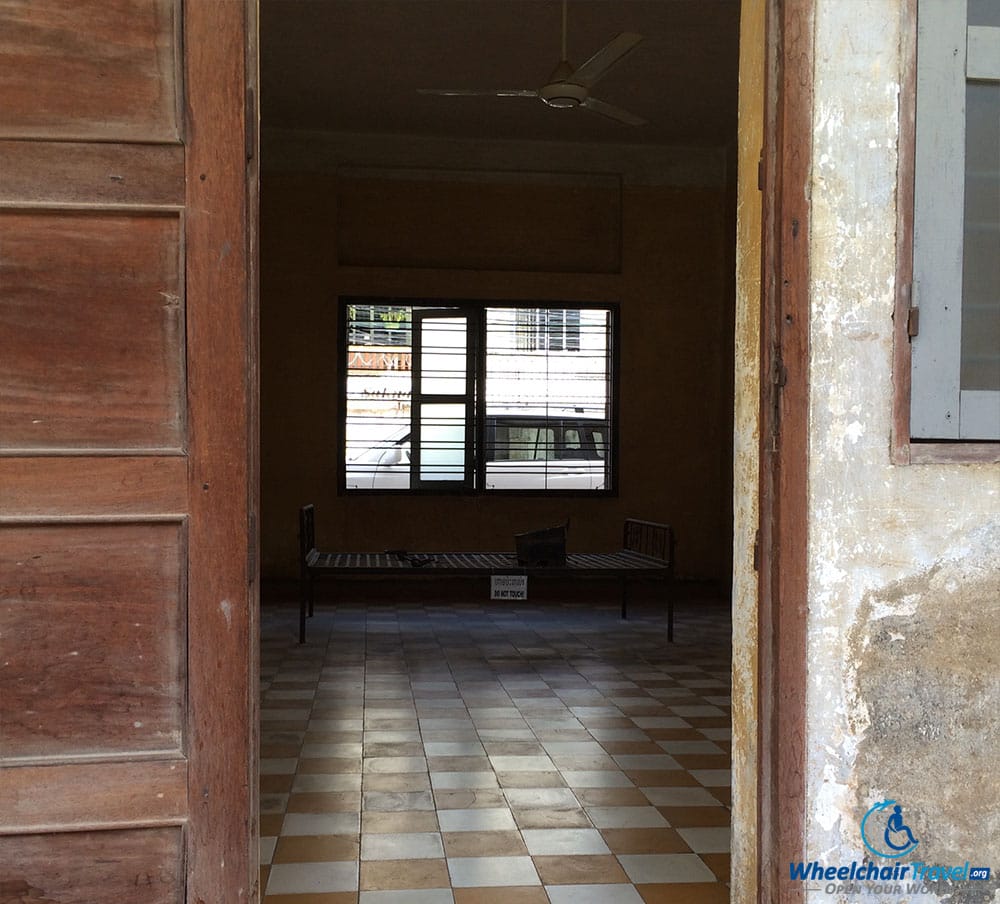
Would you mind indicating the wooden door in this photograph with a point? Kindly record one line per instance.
(127, 410)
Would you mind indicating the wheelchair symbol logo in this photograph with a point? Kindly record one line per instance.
(888, 835)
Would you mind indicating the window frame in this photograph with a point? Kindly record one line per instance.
(904, 448)
(475, 309)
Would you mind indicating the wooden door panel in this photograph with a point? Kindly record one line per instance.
(85, 796)
(89, 486)
(141, 866)
(98, 613)
(73, 172)
(91, 331)
(127, 405)
(106, 71)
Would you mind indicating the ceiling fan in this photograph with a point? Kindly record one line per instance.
(568, 87)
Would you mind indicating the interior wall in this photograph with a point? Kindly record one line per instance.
(674, 287)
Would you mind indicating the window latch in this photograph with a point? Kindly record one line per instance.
(912, 322)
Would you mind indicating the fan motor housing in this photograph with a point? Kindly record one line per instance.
(563, 95)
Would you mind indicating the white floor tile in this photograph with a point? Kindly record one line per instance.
(649, 868)
(593, 894)
(312, 878)
(402, 846)
(626, 817)
(485, 819)
(491, 872)
(707, 839)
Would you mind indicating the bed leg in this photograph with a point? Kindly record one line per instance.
(303, 603)
(312, 596)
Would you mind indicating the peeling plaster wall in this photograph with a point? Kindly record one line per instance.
(904, 573)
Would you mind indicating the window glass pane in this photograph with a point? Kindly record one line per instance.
(378, 395)
(442, 442)
(981, 264)
(443, 343)
(984, 12)
(547, 389)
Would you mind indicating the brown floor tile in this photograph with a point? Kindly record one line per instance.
(270, 824)
(468, 800)
(331, 765)
(611, 797)
(500, 896)
(703, 760)
(644, 841)
(718, 864)
(272, 725)
(378, 875)
(709, 721)
(685, 893)
(579, 870)
(546, 818)
(279, 751)
(315, 848)
(514, 748)
(606, 722)
(674, 734)
(483, 844)
(332, 897)
(325, 802)
(276, 784)
(633, 747)
(531, 780)
(403, 822)
(409, 748)
(265, 871)
(662, 778)
(723, 795)
(690, 817)
(392, 781)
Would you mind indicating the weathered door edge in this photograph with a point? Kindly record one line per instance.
(221, 841)
(784, 445)
(744, 842)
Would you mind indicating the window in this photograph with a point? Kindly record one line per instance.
(955, 378)
(480, 397)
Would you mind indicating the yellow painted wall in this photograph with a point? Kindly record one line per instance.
(675, 292)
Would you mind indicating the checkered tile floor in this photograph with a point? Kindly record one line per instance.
(484, 754)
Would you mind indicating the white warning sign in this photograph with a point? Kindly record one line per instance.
(508, 587)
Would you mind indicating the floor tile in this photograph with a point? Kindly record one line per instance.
(321, 824)
(401, 846)
(684, 893)
(657, 840)
(484, 844)
(659, 868)
(530, 895)
(575, 870)
(315, 848)
(468, 872)
(302, 878)
(681, 797)
(593, 894)
(564, 841)
(482, 819)
(404, 874)
(408, 896)
(625, 817)
(706, 839)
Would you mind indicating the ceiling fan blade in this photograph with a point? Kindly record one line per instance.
(612, 112)
(597, 66)
(478, 92)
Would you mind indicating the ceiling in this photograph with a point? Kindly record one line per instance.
(353, 66)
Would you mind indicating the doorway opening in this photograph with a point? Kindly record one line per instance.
(372, 189)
